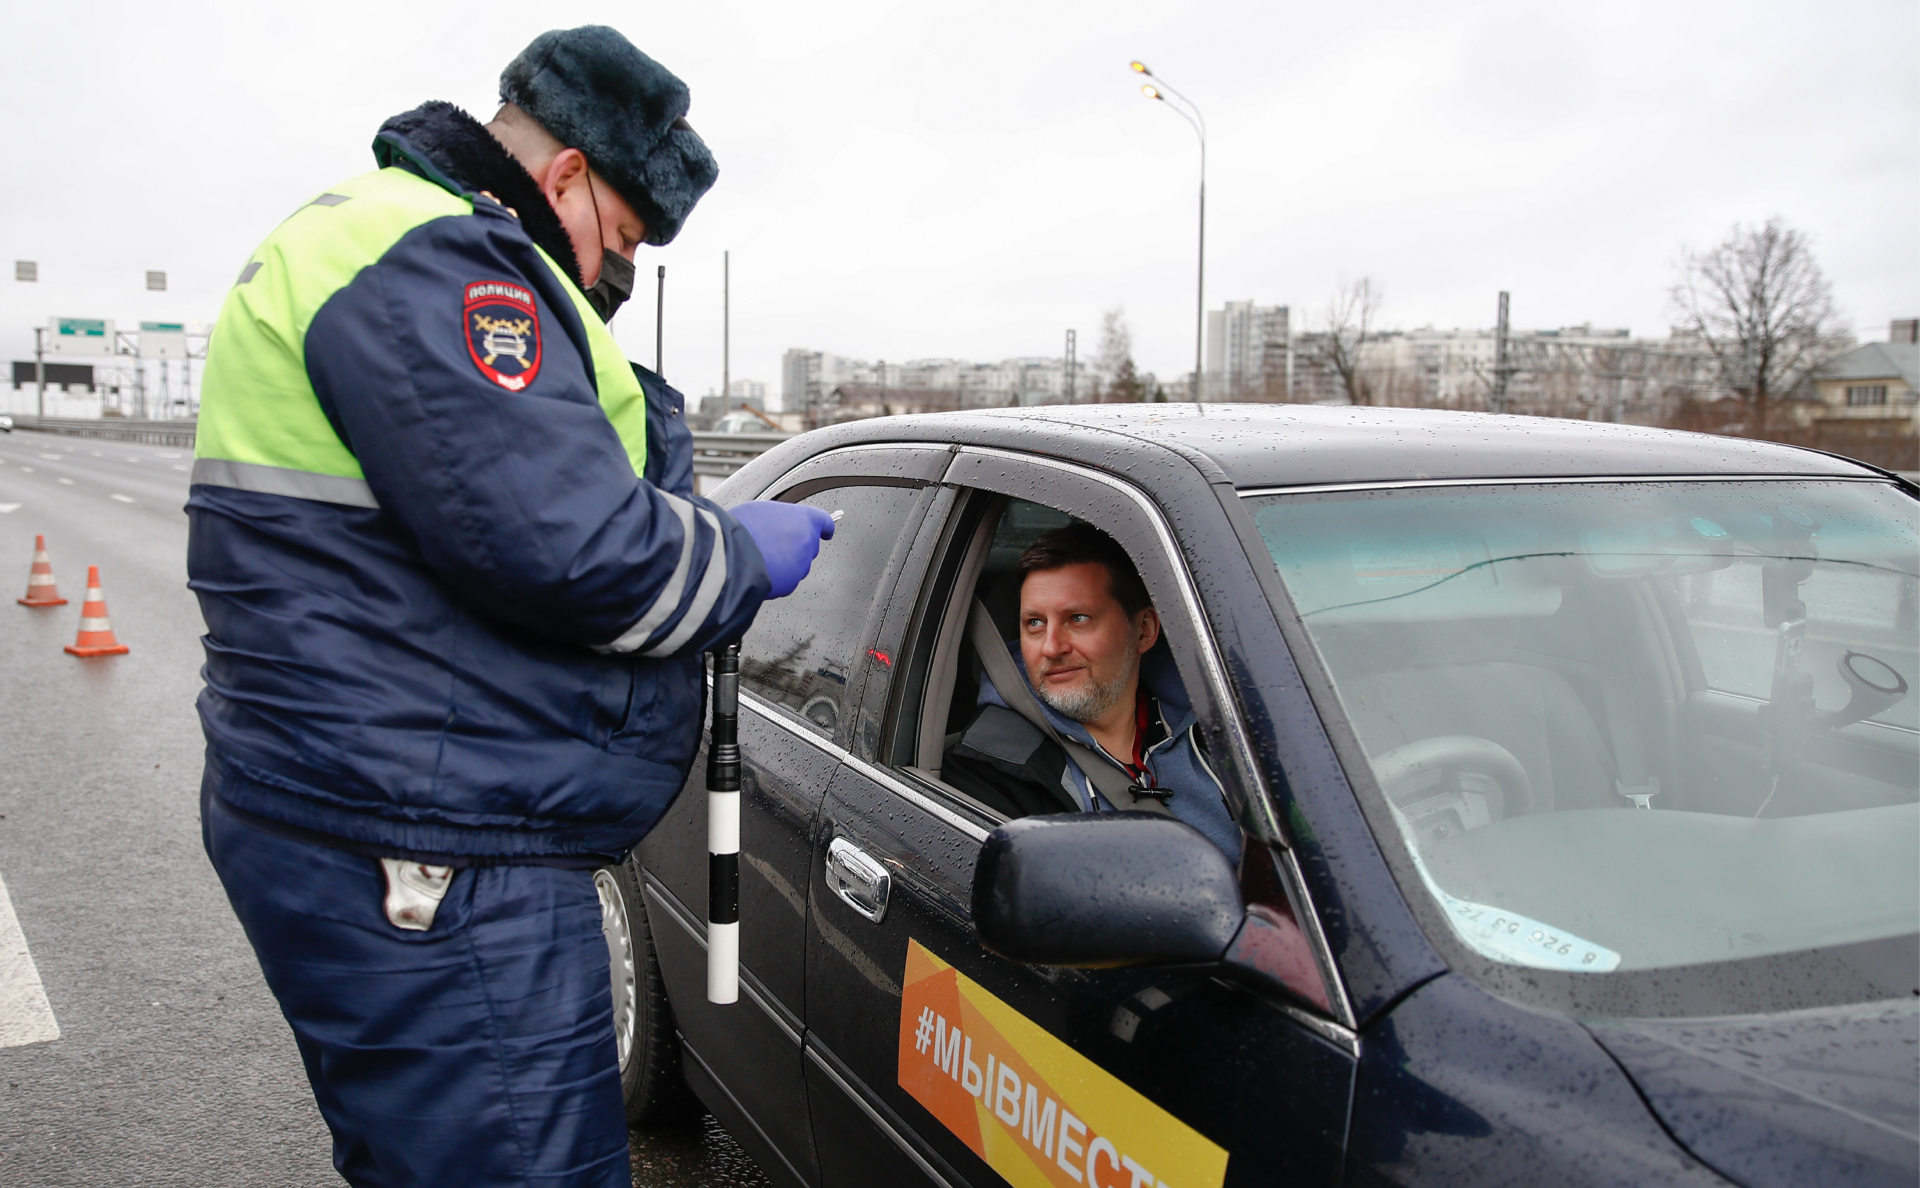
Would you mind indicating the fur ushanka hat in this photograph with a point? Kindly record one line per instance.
(595, 92)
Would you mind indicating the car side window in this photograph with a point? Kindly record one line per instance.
(945, 688)
(803, 652)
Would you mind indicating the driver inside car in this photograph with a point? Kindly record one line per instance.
(1082, 713)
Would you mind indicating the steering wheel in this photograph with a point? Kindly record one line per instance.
(1402, 771)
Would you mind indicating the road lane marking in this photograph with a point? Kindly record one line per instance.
(169, 455)
(67, 481)
(26, 470)
(122, 498)
(25, 1015)
(8, 507)
(53, 457)
(179, 468)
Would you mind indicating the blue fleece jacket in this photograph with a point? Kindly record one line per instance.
(1177, 762)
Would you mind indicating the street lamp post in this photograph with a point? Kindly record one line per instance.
(1164, 93)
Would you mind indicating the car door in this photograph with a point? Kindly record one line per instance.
(802, 667)
(930, 1060)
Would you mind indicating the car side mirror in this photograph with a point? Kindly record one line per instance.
(1097, 890)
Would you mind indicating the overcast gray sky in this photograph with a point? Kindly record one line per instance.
(910, 180)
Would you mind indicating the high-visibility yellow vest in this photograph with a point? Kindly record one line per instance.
(261, 425)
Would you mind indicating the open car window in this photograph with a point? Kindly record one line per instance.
(1007, 528)
(982, 566)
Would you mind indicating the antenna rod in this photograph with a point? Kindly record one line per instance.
(726, 331)
(659, 320)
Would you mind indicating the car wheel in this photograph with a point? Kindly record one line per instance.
(650, 1080)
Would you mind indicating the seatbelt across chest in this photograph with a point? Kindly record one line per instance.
(1109, 780)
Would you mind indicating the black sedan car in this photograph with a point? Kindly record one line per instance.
(1576, 770)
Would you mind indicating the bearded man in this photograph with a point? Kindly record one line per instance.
(1086, 649)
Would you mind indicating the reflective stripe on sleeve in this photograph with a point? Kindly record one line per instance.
(705, 598)
(276, 480)
(668, 600)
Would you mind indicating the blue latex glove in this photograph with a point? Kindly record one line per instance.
(789, 536)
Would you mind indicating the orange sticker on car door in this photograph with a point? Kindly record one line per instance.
(1038, 1112)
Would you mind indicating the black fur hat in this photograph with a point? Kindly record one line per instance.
(595, 92)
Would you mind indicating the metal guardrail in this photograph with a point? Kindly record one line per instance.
(715, 454)
(718, 455)
(172, 433)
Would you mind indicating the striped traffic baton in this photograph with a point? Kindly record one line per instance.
(723, 831)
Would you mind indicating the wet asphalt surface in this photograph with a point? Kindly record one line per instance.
(173, 1065)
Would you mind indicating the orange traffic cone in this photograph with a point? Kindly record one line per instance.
(96, 634)
(40, 588)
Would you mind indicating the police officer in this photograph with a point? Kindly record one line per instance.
(456, 584)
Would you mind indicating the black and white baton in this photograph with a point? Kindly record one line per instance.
(723, 831)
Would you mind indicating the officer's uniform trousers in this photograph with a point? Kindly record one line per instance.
(477, 1053)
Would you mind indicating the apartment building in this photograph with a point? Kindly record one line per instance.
(811, 379)
(1249, 352)
(1585, 372)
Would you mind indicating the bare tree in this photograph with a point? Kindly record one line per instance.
(1118, 380)
(1127, 386)
(1763, 308)
(1350, 322)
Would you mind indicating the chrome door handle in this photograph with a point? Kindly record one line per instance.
(860, 882)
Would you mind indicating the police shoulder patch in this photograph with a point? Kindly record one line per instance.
(503, 332)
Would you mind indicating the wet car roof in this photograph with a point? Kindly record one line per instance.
(1259, 445)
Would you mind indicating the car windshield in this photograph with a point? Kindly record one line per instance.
(1627, 725)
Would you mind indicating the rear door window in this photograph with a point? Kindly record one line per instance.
(806, 652)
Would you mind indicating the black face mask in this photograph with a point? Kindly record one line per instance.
(615, 285)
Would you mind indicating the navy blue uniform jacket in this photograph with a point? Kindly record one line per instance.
(434, 677)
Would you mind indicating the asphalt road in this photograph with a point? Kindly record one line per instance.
(172, 1064)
